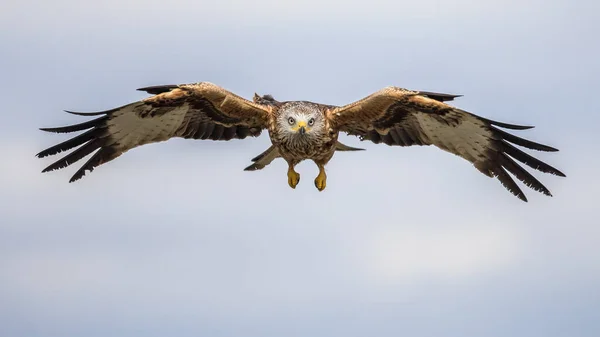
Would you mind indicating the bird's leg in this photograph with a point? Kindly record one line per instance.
(321, 179)
(293, 176)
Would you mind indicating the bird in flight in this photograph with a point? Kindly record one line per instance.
(303, 130)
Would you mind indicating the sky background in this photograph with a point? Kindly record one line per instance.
(176, 239)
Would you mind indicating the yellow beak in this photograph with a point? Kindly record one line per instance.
(301, 127)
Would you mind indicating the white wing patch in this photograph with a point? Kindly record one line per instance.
(469, 139)
(128, 129)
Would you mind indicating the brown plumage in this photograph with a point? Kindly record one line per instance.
(301, 130)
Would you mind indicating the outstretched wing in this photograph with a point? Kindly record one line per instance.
(397, 116)
(197, 111)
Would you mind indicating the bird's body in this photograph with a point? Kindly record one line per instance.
(318, 146)
(303, 130)
(300, 130)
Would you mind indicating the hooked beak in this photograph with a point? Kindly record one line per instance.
(302, 127)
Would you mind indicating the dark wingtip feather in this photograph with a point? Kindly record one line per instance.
(522, 141)
(70, 143)
(76, 127)
(529, 160)
(509, 183)
(49, 130)
(87, 113)
(97, 113)
(158, 89)
(75, 156)
(508, 126)
(496, 123)
(439, 96)
(102, 156)
(521, 174)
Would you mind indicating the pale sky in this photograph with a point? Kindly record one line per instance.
(176, 239)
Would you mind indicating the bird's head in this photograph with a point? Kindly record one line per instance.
(301, 121)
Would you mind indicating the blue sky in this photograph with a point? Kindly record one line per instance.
(175, 238)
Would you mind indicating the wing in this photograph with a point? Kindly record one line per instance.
(197, 111)
(397, 116)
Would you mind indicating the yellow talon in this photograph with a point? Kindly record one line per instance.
(321, 179)
(293, 177)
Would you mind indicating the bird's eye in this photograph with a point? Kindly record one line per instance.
(311, 121)
(291, 120)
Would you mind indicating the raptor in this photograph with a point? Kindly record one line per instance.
(303, 130)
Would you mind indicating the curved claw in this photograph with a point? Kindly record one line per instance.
(321, 179)
(293, 177)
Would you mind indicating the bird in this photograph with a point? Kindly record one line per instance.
(303, 130)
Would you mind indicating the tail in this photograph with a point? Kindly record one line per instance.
(342, 147)
(272, 153)
(264, 159)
